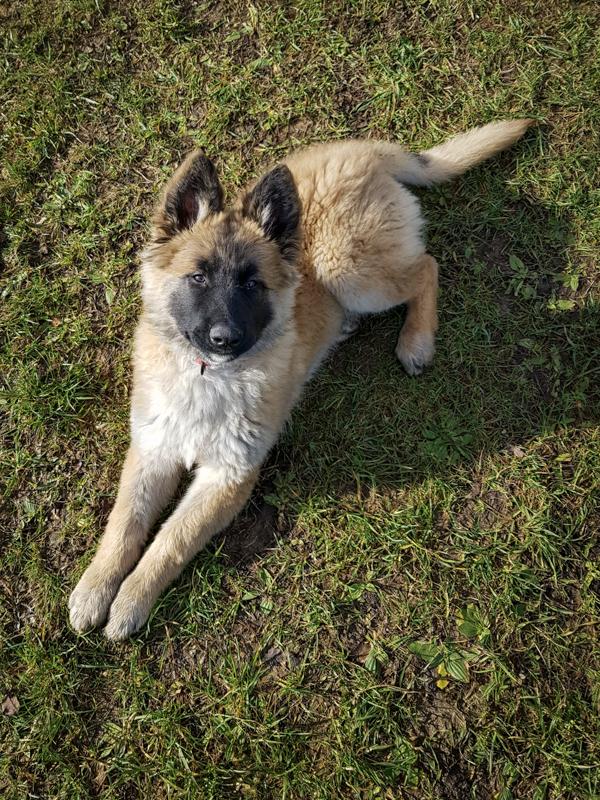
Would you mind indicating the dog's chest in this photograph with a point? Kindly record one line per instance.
(207, 420)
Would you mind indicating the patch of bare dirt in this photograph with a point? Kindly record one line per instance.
(442, 720)
(18, 605)
(484, 509)
(251, 535)
(542, 381)
(494, 252)
(458, 778)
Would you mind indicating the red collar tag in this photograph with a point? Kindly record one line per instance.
(203, 365)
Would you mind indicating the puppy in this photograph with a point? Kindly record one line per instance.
(240, 307)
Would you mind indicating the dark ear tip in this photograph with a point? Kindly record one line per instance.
(193, 190)
(283, 169)
(274, 204)
(193, 154)
(282, 172)
(197, 154)
(190, 160)
(198, 159)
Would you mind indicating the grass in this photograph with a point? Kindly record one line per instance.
(409, 606)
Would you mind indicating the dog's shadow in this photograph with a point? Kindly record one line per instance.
(515, 360)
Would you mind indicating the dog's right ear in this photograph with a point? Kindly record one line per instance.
(192, 194)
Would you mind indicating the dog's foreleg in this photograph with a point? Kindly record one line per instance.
(145, 488)
(211, 502)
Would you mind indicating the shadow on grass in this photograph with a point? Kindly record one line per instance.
(516, 359)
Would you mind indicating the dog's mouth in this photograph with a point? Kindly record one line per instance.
(207, 359)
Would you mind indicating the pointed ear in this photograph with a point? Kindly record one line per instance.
(192, 194)
(275, 206)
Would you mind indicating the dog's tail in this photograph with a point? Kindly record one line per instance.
(458, 154)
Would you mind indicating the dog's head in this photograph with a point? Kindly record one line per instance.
(222, 281)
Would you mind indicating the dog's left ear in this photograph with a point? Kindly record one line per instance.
(192, 194)
(275, 206)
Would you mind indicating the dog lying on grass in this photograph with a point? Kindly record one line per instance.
(240, 308)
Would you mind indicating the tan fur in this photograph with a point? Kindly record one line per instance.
(361, 252)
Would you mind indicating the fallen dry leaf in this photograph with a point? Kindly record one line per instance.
(10, 705)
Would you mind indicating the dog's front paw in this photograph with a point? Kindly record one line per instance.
(90, 600)
(415, 351)
(128, 612)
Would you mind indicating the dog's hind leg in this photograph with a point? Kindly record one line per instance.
(416, 343)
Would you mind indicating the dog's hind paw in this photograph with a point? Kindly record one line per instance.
(415, 352)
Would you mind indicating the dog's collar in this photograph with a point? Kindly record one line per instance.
(202, 364)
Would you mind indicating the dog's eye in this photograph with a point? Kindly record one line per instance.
(199, 278)
(251, 284)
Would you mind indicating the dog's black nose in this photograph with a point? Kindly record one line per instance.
(224, 336)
